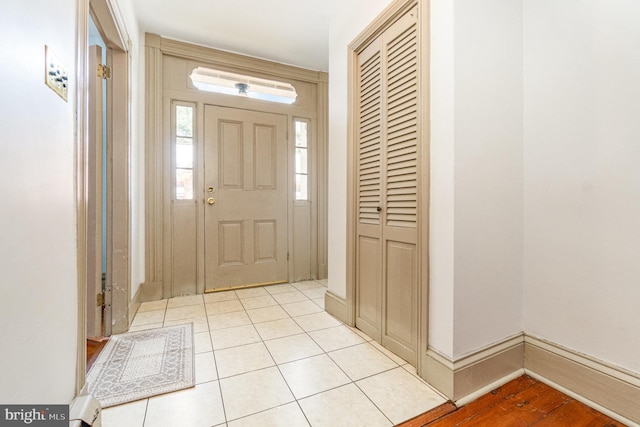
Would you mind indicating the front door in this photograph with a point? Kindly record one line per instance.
(246, 191)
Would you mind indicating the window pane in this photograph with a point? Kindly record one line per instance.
(301, 187)
(301, 134)
(184, 153)
(301, 160)
(184, 184)
(184, 121)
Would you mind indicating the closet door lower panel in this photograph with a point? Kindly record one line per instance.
(369, 291)
(400, 319)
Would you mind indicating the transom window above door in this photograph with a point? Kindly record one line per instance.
(227, 83)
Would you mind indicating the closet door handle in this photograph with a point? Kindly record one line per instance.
(379, 209)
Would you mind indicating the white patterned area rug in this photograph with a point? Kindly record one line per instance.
(137, 365)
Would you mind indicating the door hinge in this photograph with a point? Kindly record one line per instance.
(104, 72)
(100, 300)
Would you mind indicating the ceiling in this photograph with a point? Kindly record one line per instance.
(288, 31)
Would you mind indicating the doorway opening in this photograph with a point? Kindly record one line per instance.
(102, 183)
(98, 310)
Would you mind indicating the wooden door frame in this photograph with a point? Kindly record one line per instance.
(81, 165)
(391, 14)
(117, 295)
(118, 43)
(161, 89)
(95, 315)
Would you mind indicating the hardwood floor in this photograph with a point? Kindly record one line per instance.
(94, 347)
(521, 402)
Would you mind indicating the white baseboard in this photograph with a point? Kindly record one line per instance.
(607, 388)
(150, 291)
(134, 305)
(465, 379)
(489, 388)
(336, 306)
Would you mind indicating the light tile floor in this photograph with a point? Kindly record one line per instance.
(272, 356)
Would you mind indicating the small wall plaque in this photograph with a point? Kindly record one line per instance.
(55, 74)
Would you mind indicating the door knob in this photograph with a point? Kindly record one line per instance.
(211, 200)
(379, 209)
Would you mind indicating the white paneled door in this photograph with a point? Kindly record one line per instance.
(246, 187)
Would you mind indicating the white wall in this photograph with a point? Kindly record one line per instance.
(582, 176)
(488, 173)
(38, 306)
(442, 144)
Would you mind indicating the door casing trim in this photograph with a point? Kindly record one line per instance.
(81, 142)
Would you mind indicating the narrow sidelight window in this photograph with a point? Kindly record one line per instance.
(302, 159)
(184, 150)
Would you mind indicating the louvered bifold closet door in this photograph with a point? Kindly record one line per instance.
(369, 133)
(400, 191)
(387, 191)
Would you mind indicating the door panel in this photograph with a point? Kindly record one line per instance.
(400, 322)
(266, 241)
(265, 158)
(246, 220)
(401, 296)
(369, 136)
(94, 196)
(369, 192)
(402, 126)
(369, 295)
(184, 235)
(182, 228)
(231, 155)
(230, 242)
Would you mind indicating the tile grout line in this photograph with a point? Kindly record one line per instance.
(262, 341)
(215, 362)
(280, 305)
(353, 381)
(374, 403)
(278, 364)
(146, 409)
(308, 357)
